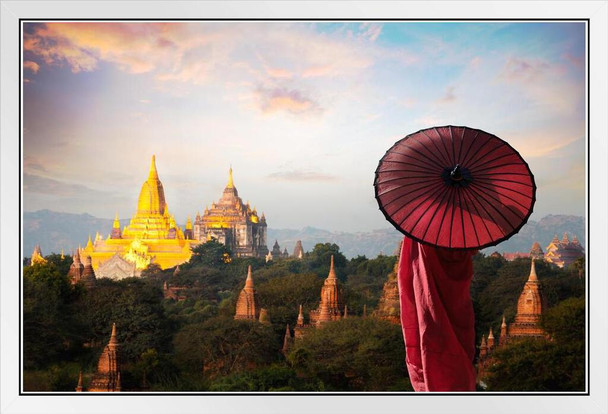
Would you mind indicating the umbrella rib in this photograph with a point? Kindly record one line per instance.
(422, 215)
(411, 163)
(497, 166)
(410, 176)
(447, 152)
(401, 196)
(440, 158)
(503, 180)
(464, 239)
(465, 160)
(472, 200)
(453, 147)
(413, 209)
(491, 189)
(480, 156)
(492, 160)
(454, 192)
(461, 144)
(443, 195)
(495, 208)
(465, 194)
(421, 186)
(501, 173)
(395, 179)
(488, 213)
(441, 224)
(431, 165)
(436, 161)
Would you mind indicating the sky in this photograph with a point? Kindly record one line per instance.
(301, 110)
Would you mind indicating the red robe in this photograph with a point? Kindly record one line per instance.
(437, 316)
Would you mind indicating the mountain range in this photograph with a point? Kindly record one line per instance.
(54, 231)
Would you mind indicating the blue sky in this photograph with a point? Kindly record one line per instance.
(302, 111)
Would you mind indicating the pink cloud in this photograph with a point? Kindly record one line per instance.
(30, 65)
(449, 96)
(281, 99)
(523, 70)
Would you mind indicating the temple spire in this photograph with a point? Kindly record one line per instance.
(533, 277)
(230, 181)
(249, 281)
(116, 222)
(153, 174)
(79, 386)
(332, 272)
(113, 339)
(301, 317)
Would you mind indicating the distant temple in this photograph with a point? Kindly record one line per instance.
(565, 252)
(389, 307)
(530, 307)
(37, 256)
(152, 236)
(247, 306)
(107, 377)
(331, 300)
(276, 253)
(298, 251)
(234, 224)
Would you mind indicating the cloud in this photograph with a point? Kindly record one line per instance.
(523, 70)
(41, 185)
(31, 65)
(301, 175)
(370, 31)
(282, 99)
(448, 97)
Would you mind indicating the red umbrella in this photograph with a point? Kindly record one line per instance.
(455, 187)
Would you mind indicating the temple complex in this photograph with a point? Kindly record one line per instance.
(276, 253)
(536, 252)
(107, 378)
(152, 236)
(37, 257)
(246, 305)
(331, 300)
(565, 252)
(234, 224)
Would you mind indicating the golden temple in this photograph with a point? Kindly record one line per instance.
(152, 235)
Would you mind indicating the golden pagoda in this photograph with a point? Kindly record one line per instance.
(233, 223)
(152, 235)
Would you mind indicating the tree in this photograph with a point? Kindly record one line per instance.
(320, 257)
(223, 346)
(211, 253)
(51, 327)
(353, 354)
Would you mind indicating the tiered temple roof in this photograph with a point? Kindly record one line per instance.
(529, 309)
(298, 251)
(152, 235)
(233, 223)
(565, 252)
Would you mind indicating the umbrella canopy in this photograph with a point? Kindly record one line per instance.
(455, 187)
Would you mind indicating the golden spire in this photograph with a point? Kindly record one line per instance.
(533, 277)
(230, 181)
(249, 281)
(62, 256)
(116, 222)
(189, 224)
(490, 335)
(153, 174)
(89, 245)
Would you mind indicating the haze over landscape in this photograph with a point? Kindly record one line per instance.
(302, 111)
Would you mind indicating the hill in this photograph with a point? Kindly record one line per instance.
(55, 231)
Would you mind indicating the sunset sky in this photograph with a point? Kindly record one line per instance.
(303, 111)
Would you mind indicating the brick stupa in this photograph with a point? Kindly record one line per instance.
(331, 300)
(247, 306)
(107, 378)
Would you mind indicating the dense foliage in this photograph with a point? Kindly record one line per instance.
(195, 343)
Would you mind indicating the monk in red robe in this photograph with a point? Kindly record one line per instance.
(437, 316)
